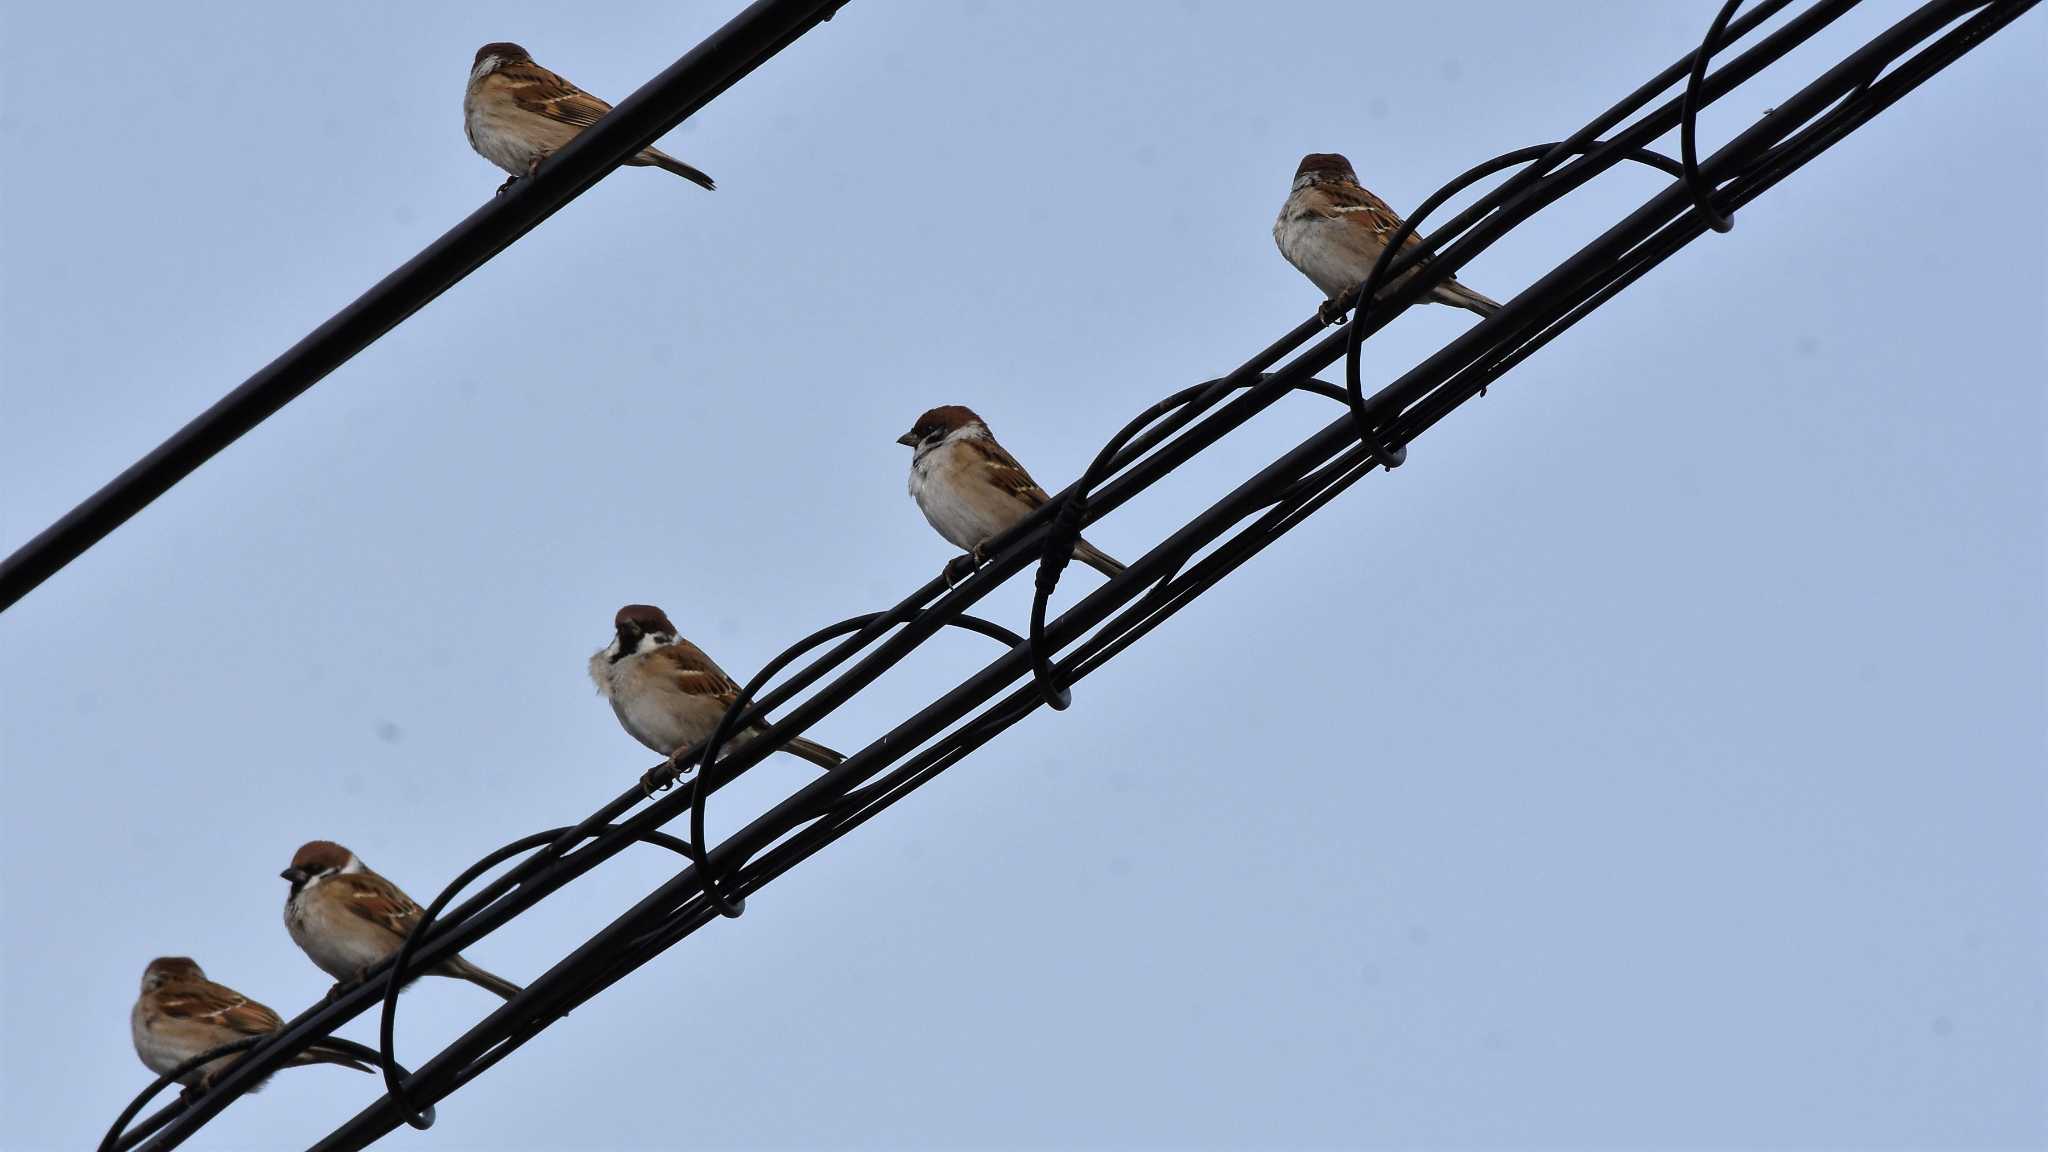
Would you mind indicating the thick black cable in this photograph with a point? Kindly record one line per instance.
(707, 70)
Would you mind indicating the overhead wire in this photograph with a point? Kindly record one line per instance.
(742, 44)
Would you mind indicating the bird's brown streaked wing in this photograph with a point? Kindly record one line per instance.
(543, 93)
(698, 675)
(214, 1004)
(1357, 204)
(1005, 473)
(379, 901)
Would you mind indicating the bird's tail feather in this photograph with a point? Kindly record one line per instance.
(319, 1054)
(668, 163)
(213, 1070)
(813, 751)
(1457, 295)
(463, 970)
(1096, 558)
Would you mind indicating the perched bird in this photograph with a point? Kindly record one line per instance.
(348, 919)
(1333, 230)
(518, 113)
(668, 694)
(182, 1014)
(970, 489)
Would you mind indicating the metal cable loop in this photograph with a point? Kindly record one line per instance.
(1367, 294)
(721, 59)
(401, 961)
(876, 623)
(1060, 541)
(112, 1140)
(118, 1139)
(700, 855)
(1066, 527)
(1688, 122)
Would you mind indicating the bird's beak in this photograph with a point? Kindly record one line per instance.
(908, 439)
(295, 875)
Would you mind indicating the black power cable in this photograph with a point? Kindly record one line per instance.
(720, 60)
(1040, 669)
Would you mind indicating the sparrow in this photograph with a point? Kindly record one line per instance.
(970, 489)
(1333, 230)
(668, 694)
(348, 919)
(518, 113)
(181, 1014)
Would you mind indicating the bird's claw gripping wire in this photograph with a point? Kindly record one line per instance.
(960, 567)
(663, 777)
(1332, 311)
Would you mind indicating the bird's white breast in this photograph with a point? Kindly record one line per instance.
(496, 130)
(959, 504)
(1309, 242)
(652, 709)
(159, 1055)
(341, 943)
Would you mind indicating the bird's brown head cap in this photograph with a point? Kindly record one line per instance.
(639, 626)
(168, 970)
(504, 50)
(645, 617)
(940, 422)
(316, 858)
(1325, 166)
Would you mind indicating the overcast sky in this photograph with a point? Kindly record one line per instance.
(1656, 760)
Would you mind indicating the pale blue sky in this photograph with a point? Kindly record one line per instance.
(1656, 760)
